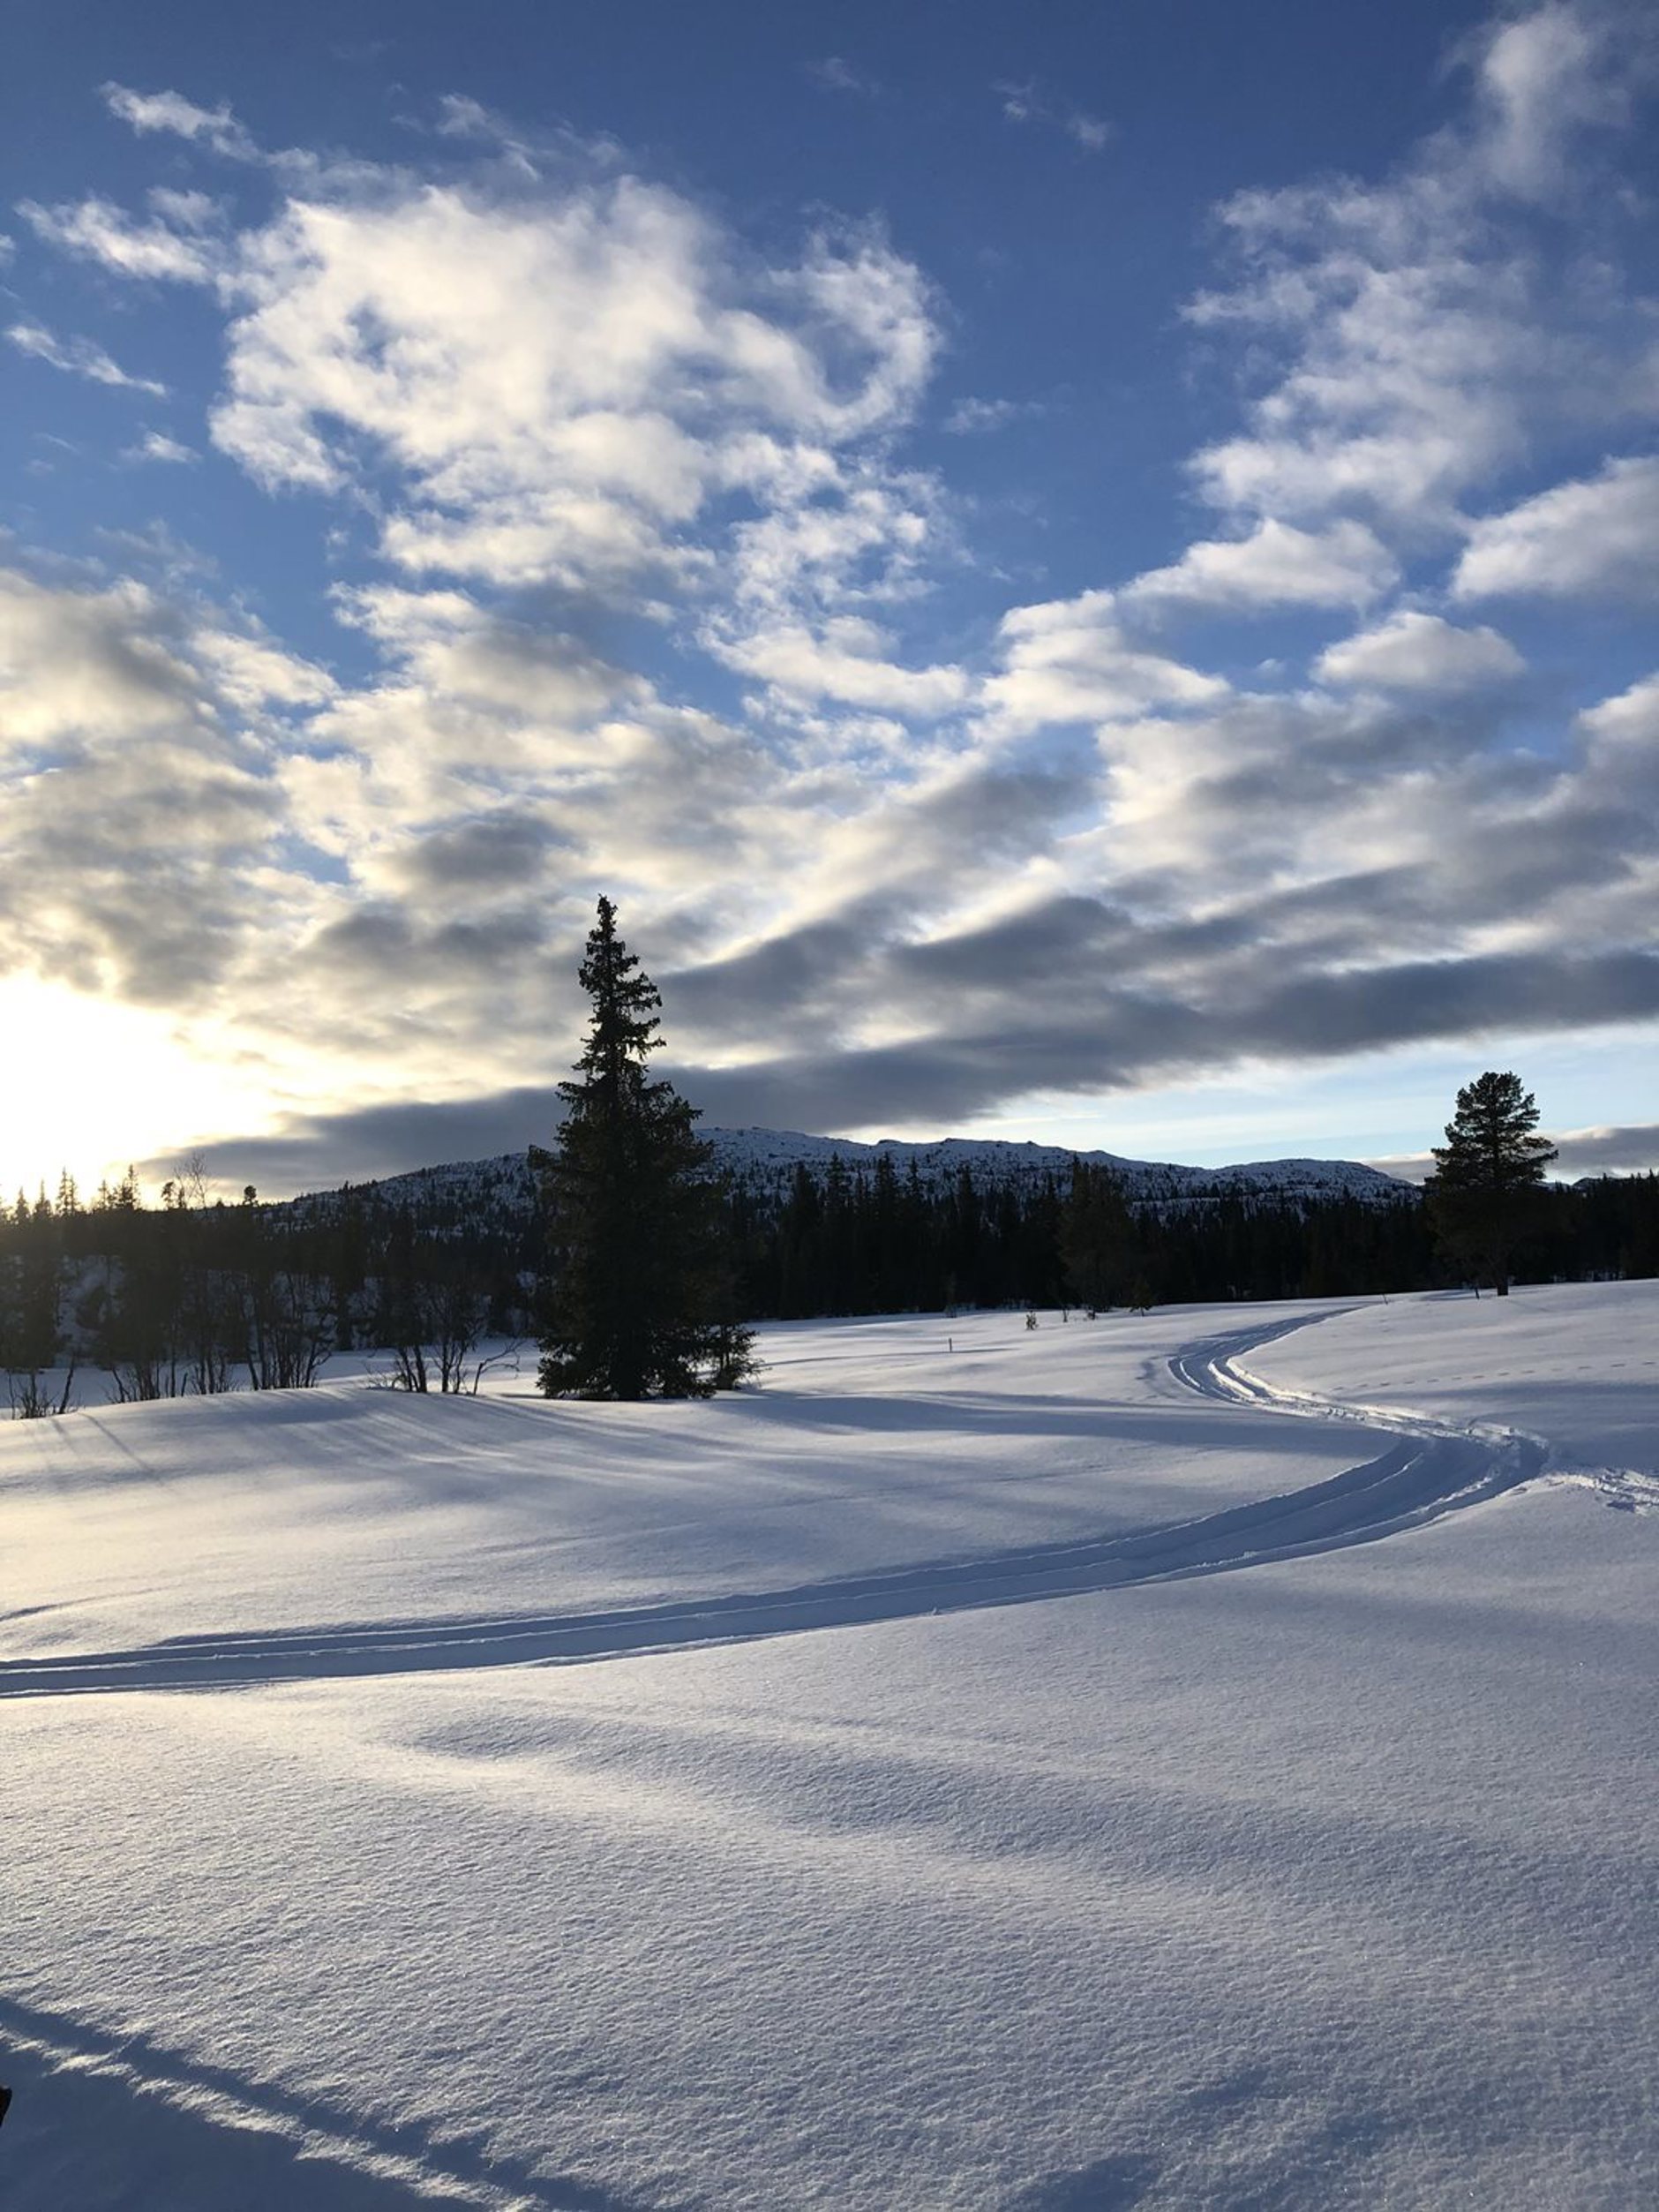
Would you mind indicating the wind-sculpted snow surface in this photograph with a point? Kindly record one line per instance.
(1326, 1883)
(1410, 1482)
(1569, 1374)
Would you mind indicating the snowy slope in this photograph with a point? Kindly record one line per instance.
(764, 1160)
(871, 1447)
(767, 1157)
(1490, 1365)
(1310, 1880)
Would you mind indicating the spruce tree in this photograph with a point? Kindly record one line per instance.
(1483, 1196)
(1097, 1237)
(635, 1303)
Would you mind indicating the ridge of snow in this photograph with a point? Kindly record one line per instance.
(763, 1160)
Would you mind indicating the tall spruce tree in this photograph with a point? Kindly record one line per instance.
(1096, 1237)
(1482, 1195)
(636, 1302)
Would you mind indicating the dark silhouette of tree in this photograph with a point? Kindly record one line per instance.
(1483, 1194)
(1096, 1237)
(638, 1300)
(33, 1340)
(432, 1310)
(134, 1323)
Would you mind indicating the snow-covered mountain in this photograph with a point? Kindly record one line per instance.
(764, 1160)
(767, 1157)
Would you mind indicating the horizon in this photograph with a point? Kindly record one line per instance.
(1079, 581)
(1582, 1154)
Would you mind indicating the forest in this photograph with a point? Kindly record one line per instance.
(189, 1295)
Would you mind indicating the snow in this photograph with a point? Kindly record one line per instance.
(765, 1160)
(771, 1156)
(514, 1830)
(1577, 1368)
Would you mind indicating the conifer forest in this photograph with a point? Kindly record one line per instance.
(181, 1293)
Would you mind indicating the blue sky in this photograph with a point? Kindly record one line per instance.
(1081, 573)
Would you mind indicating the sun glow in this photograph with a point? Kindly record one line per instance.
(91, 1084)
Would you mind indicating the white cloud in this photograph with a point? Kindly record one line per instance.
(139, 815)
(1069, 661)
(1425, 327)
(79, 357)
(82, 664)
(252, 671)
(835, 73)
(1346, 826)
(171, 112)
(1591, 538)
(155, 445)
(455, 650)
(586, 540)
(554, 374)
(1406, 353)
(1541, 78)
(173, 247)
(859, 536)
(1026, 102)
(1420, 652)
(79, 662)
(1276, 565)
(972, 417)
(868, 342)
(542, 381)
(561, 381)
(1621, 742)
(800, 584)
(1092, 133)
(1021, 102)
(1632, 714)
(846, 661)
(574, 378)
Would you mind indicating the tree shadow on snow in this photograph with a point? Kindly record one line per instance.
(100, 2119)
(1414, 1480)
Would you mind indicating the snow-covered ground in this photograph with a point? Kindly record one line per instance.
(1576, 1368)
(980, 1768)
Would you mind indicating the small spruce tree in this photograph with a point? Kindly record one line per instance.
(637, 1300)
(1483, 1194)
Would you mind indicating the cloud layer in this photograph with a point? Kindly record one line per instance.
(641, 602)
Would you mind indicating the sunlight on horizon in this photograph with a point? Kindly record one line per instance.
(97, 1085)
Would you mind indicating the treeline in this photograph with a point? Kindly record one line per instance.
(883, 1242)
(879, 1242)
(191, 1296)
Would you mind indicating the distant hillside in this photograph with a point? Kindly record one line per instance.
(764, 1162)
(764, 1158)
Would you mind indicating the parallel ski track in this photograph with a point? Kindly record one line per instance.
(1425, 1472)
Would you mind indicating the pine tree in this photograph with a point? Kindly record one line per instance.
(1483, 1194)
(636, 1301)
(1097, 1237)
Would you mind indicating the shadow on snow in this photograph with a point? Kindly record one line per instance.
(1417, 1478)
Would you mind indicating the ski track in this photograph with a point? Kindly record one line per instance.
(1428, 1470)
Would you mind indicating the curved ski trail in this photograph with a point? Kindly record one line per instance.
(1427, 1471)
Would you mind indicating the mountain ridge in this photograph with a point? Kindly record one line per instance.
(764, 1160)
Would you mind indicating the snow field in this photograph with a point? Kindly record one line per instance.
(870, 1447)
(1325, 1882)
(1574, 1365)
